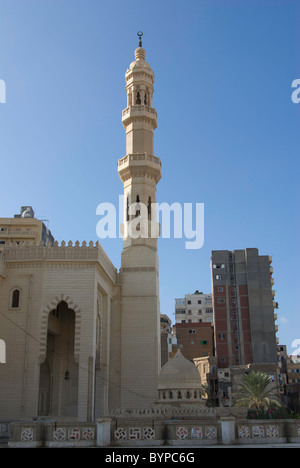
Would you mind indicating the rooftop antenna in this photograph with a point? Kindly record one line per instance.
(140, 38)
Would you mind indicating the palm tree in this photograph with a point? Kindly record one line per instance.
(255, 393)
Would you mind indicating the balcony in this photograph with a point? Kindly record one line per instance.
(137, 112)
(139, 165)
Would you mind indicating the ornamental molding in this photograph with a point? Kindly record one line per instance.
(50, 265)
(37, 254)
(44, 325)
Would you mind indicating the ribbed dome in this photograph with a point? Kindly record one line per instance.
(179, 372)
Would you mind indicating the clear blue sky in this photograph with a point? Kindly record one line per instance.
(228, 131)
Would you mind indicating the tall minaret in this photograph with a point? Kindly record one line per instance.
(139, 171)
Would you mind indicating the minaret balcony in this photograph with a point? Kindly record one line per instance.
(139, 112)
(139, 165)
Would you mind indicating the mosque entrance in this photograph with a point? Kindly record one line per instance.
(58, 388)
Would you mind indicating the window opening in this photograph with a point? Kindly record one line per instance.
(15, 298)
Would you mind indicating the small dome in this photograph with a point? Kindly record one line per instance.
(140, 63)
(179, 372)
(140, 53)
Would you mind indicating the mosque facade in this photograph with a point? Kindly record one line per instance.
(81, 337)
(82, 357)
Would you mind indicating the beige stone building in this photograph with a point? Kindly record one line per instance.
(82, 338)
(167, 340)
(24, 227)
(194, 308)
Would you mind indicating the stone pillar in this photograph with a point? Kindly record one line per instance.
(90, 393)
(103, 432)
(228, 430)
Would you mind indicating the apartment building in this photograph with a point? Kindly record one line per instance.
(168, 342)
(24, 227)
(293, 369)
(194, 339)
(194, 308)
(207, 367)
(282, 366)
(243, 303)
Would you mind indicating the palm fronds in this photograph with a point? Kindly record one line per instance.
(254, 392)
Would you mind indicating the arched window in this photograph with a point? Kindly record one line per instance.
(138, 211)
(138, 99)
(15, 298)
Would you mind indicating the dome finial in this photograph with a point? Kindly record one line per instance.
(140, 53)
(139, 33)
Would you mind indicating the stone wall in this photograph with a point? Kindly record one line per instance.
(50, 433)
(146, 431)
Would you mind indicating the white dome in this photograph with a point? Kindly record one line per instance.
(140, 55)
(177, 373)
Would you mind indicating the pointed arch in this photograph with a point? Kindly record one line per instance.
(15, 297)
(44, 325)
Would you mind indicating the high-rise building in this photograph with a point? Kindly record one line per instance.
(243, 303)
(282, 365)
(194, 308)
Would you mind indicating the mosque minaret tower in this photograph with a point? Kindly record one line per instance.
(139, 171)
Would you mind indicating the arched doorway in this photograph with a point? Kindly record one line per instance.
(58, 389)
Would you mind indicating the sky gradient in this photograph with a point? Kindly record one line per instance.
(227, 136)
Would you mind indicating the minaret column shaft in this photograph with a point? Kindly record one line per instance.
(139, 171)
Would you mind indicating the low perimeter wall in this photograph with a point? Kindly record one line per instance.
(110, 432)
